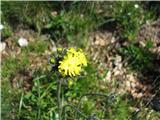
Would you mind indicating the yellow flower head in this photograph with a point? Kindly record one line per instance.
(72, 62)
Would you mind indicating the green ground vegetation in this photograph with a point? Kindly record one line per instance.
(72, 22)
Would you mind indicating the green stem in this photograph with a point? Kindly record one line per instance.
(59, 101)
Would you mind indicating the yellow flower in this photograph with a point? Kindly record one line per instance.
(82, 58)
(72, 50)
(72, 62)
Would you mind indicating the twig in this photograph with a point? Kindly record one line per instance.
(90, 94)
(76, 109)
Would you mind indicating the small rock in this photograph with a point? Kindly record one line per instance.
(53, 47)
(22, 42)
(2, 46)
(54, 13)
(129, 14)
(117, 73)
(128, 84)
(99, 40)
(1, 26)
(142, 43)
(117, 45)
(113, 40)
(109, 76)
(139, 95)
(118, 60)
(136, 6)
(133, 85)
(82, 15)
(131, 78)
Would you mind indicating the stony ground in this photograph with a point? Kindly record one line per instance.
(142, 84)
(103, 48)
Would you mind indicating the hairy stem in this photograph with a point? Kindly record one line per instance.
(59, 101)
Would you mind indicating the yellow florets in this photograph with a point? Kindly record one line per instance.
(72, 62)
